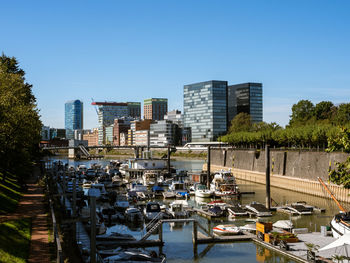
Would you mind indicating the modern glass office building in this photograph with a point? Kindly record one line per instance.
(155, 108)
(205, 109)
(248, 98)
(107, 112)
(134, 109)
(73, 117)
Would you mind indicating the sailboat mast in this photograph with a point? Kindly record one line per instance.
(331, 194)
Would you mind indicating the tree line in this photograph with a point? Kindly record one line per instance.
(20, 124)
(310, 126)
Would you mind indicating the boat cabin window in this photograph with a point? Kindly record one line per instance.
(153, 208)
(201, 187)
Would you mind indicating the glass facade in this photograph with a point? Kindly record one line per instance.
(73, 117)
(109, 134)
(256, 103)
(155, 108)
(162, 133)
(134, 109)
(248, 98)
(107, 112)
(205, 109)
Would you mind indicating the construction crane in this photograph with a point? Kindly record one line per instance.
(95, 106)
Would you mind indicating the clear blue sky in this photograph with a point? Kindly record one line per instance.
(132, 50)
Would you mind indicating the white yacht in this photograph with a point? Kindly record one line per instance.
(202, 191)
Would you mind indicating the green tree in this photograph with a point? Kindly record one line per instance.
(324, 110)
(343, 114)
(302, 112)
(241, 122)
(20, 125)
(340, 175)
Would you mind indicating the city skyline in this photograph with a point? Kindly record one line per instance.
(129, 51)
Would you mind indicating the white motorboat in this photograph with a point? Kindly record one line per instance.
(202, 191)
(237, 211)
(299, 208)
(227, 230)
(249, 228)
(169, 194)
(149, 178)
(179, 188)
(133, 214)
(258, 209)
(283, 224)
(178, 209)
(340, 223)
(132, 255)
(224, 184)
(151, 210)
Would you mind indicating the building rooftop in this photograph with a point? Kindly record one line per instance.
(109, 103)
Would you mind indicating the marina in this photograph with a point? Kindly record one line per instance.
(200, 223)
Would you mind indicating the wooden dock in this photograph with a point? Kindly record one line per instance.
(206, 214)
(203, 239)
(130, 243)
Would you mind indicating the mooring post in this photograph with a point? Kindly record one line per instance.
(74, 206)
(208, 167)
(195, 233)
(160, 232)
(267, 166)
(136, 152)
(168, 160)
(64, 190)
(93, 229)
(74, 202)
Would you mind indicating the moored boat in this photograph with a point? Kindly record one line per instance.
(237, 211)
(258, 209)
(133, 214)
(227, 230)
(202, 191)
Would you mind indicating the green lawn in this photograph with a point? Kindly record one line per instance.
(10, 194)
(15, 240)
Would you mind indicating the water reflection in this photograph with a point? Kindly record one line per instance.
(178, 238)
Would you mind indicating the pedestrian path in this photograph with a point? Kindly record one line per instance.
(32, 205)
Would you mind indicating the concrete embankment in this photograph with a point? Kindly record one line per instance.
(293, 170)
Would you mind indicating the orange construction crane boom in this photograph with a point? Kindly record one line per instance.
(333, 197)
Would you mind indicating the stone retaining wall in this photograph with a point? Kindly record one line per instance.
(296, 171)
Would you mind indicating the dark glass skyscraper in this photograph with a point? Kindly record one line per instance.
(73, 117)
(245, 97)
(205, 109)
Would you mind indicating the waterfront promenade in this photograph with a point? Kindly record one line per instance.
(32, 205)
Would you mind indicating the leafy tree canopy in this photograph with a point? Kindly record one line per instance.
(343, 114)
(324, 110)
(241, 122)
(20, 125)
(301, 112)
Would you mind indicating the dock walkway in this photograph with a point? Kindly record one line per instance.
(203, 239)
(298, 251)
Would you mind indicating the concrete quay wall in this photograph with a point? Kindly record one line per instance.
(292, 170)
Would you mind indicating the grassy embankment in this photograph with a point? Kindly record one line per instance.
(15, 240)
(14, 235)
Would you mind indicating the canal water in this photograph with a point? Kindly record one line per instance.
(178, 238)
